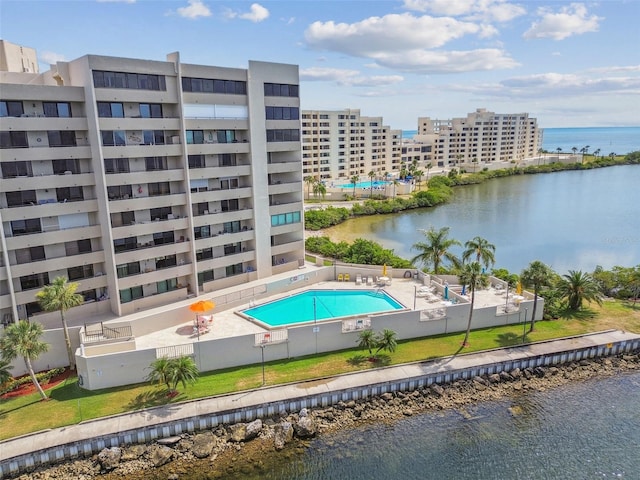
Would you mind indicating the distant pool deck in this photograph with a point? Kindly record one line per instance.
(227, 323)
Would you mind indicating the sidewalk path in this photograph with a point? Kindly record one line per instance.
(104, 427)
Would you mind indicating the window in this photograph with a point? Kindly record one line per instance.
(230, 205)
(196, 161)
(128, 269)
(166, 285)
(57, 109)
(231, 227)
(119, 192)
(60, 167)
(195, 137)
(206, 276)
(202, 232)
(16, 169)
(201, 208)
(155, 163)
(163, 238)
(130, 294)
(283, 135)
(204, 254)
(31, 254)
(228, 159)
(89, 295)
(153, 137)
(229, 183)
(234, 269)
(77, 247)
(13, 140)
(159, 188)
(111, 138)
(285, 219)
(69, 194)
(282, 113)
(116, 165)
(61, 138)
(110, 110)
(10, 108)
(138, 81)
(208, 85)
(21, 198)
(25, 227)
(125, 244)
(280, 90)
(80, 272)
(37, 280)
(160, 213)
(151, 110)
(226, 136)
(232, 248)
(166, 262)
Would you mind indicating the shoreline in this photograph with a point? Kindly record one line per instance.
(245, 449)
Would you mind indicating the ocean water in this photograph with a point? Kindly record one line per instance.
(618, 140)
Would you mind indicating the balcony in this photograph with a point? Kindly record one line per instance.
(41, 182)
(153, 276)
(52, 236)
(213, 195)
(149, 227)
(285, 187)
(144, 177)
(150, 250)
(51, 208)
(40, 153)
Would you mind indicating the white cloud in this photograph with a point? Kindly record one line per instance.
(51, 57)
(570, 20)
(627, 68)
(486, 10)
(195, 9)
(347, 77)
(437, 62)
(256, 14)
(116, 1)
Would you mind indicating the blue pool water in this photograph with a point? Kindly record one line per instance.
(377, 183)
(314, 305)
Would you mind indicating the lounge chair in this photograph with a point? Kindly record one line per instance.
(346, 277)
(369, 280)
(340, 277)
(358, 279)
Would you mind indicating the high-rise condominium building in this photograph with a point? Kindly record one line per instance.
(342, 144)
(17, 59)
(147, 182)
(481, 136)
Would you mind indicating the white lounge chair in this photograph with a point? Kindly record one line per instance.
(358, 279)
(369, 280)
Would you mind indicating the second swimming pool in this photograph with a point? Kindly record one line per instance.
(316, 305)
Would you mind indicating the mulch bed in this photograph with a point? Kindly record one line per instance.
(29, 388)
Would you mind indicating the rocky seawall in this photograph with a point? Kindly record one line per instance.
(249, 448)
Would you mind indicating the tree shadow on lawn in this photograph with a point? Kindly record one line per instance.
(372, 360)
(154, 398)
(510, 339)
(632, 306)
(582, 314)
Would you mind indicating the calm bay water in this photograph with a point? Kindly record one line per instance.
(569, 220)
(580, 431)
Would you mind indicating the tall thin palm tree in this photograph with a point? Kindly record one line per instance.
(371, 175)
(309, 180)
(428, 166)
(436, 248)
(354, 180)
(537, 275)
(559, 150)
(319, 188)
(22, 339)
(482, 250)
(395, 183)
(471, 274)
(574, 150)
(60, 296)
(596, 152)
(576, 287)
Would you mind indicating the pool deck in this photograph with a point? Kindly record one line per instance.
(226, 323)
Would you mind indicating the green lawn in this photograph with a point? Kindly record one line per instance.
(70, 404)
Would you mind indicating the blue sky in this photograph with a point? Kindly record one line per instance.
(569, 64)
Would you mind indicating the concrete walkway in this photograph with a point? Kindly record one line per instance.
(103, 427)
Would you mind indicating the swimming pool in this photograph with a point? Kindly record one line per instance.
(317, 305)
(377, 183)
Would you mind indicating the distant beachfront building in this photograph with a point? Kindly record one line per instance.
(480, 138)
(17, 58)
(336, 145)
(147, 182)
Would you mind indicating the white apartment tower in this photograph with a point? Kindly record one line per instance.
(147, 182)
(480, 137)
(340, 144)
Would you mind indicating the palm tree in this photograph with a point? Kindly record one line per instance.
(418, 174)
(559, 150)
(367, 341)
(371, 175)
(5, 366)
(60, 296)
(309, 180)
(482, 250)
(319, 188)
(395, 183)
(435, 248)
(576, 287)
(184, 371)
(428, 166)
(386, 340)
(471, 274)
(22, 339)
(354, 179)
(574, 150)
(160, 372)
(612, 155)
(596, 152)
(538, 275)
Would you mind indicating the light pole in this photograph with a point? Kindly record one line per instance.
(415, 295)
(524, 325)
(262, 351)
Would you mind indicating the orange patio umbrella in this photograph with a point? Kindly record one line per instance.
(202, 306)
